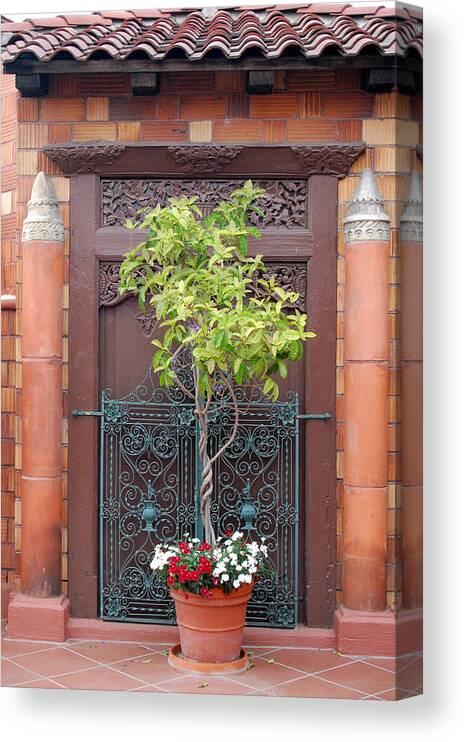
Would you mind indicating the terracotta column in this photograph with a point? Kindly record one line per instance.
(40, 611)
(367, 233)
(411, 393)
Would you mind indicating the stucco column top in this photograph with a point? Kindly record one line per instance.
(43, 221)
(411, 222)
(367, 218)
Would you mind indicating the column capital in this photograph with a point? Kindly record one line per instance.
(367, 219)
(43, 221)
(411, 222)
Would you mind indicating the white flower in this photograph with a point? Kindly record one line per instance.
(241, 578)
(228, 542)
(236, 583)
(248, 579)
(237, 535)
(225, 577)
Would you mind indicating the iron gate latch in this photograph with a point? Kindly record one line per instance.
(87, 413)
(315, 416)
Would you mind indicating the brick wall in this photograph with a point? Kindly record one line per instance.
(306, 106)
(8, 97)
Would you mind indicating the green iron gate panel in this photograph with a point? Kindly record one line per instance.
(150, 476)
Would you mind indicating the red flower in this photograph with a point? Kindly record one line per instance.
(215, 582)
(204, 591)
(205, 547)
(171, 580)
(229, 532)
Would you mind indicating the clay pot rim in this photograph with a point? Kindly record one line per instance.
(218, 595)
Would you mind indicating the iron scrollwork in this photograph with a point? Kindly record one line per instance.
(149, 493)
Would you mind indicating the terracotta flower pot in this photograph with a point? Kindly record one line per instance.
(211, 629)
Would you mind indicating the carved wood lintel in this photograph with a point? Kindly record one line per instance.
(201, 158)
(90, 157)
(328, 159)
(291, 276)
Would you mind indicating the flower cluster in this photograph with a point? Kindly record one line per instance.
(198, 568)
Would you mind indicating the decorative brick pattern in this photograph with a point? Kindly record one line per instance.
(8, 97)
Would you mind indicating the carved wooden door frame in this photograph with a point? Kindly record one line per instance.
(90, 243)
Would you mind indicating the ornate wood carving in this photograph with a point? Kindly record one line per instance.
(291, 276)
(284, 205)
(108, 285)
(199, 159)
(328, 159)
(83, 158)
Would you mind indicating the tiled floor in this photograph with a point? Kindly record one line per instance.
(277, 671)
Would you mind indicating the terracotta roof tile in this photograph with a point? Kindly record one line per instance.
(271, 30)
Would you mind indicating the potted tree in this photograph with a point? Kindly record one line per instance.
(227, 326)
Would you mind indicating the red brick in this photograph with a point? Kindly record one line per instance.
(202, 107)
(113, 83)
(238, 106)
(28, 109)
(48, 167)
(275, 106)
(8, 232)
(311, 80)
(416, 107)
(133, 109)
(59, 133)
(62, 109)
(229, 81)
(97, 108)
(309, 104)
(307, 131)
(274, 131)
(8, 177)
(185, 82)
(170, 131)
(9, 129)
(167, 107)
(94, 131)
(349, 131)
(348, 105)
(240, 130)
(63, 85)
(348, 79)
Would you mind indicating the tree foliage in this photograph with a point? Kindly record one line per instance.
(197, 275)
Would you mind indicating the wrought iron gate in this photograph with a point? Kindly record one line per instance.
(150, 477)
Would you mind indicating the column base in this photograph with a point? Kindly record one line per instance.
(41, 619)
(378, 633)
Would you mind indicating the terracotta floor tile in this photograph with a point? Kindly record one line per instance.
(12, 674)
(219, 685)
(410, 677)
(41, 683)
(361, 676)
(312, 686)
(264, 673)
(108, 652)
(54, 662)
(98, 678)
(15, 647)
(394, 694)
(308, 660)
(152, 668)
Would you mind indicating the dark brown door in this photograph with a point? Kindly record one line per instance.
(110, 350)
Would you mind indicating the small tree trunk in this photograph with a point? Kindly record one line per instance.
(206, 488)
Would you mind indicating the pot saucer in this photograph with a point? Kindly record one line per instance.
(177, 660)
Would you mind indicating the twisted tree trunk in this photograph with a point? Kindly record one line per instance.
(206, 487)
